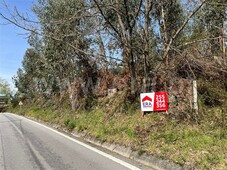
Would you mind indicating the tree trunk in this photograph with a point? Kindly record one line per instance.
(146, 52)
(132, 73)
(223, 39)
(71, 91)
(128, 52)
(165, 35)
(102, 47)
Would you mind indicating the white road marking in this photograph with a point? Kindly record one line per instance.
(125, 164)
(40, 158)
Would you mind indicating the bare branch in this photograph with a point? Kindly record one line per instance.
(18, 24)
(35, 31)
(200, 40)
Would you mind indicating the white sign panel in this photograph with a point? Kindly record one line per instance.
(147, 101)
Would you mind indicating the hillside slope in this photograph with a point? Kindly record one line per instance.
(117, 120)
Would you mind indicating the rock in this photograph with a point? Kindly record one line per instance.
(112, 92)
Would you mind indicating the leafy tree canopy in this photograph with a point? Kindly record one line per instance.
(5, 87)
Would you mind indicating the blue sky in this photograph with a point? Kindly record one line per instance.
(13, 42)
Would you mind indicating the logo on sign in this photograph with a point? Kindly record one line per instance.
(147, 102)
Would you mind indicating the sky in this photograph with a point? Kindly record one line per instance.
(13, 42)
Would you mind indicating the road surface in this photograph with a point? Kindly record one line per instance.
(28, 145)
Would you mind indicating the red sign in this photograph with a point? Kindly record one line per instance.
(160, 101)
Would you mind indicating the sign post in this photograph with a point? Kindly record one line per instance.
(156, 101)
(20, 104)
(195, 97)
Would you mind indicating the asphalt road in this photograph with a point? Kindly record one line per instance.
(28, 145)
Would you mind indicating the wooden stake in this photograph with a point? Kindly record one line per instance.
(195, 97)
(142, 114)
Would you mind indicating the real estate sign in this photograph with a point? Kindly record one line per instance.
(156, 101)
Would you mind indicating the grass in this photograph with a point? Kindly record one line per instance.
(202, 146)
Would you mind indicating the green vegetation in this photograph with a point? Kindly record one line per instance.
(200, 145)
(81, 50)
(5, 88)
(5, 94)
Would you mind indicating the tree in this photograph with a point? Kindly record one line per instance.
(66, 39)
(120, 19)
(213, 20)
(25, 80)
(74, 40)
(5, 88)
